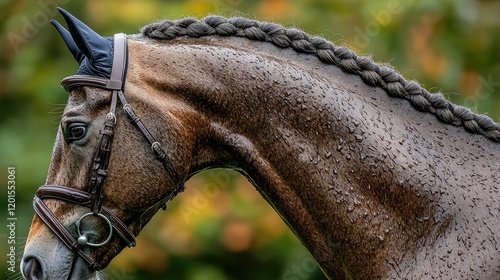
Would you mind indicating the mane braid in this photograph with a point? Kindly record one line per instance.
(370, 72)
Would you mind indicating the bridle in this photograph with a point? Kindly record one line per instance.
(93, 198)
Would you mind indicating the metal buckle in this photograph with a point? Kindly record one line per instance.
(156, 148)
(111, 117)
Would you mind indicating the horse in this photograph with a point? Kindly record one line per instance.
(377, 177)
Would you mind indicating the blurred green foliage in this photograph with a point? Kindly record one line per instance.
(450, 46)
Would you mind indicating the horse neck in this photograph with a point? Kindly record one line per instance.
(329, 153)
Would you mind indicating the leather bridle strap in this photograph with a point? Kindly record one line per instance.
(155, 145)
(93, 197)
(101, 160)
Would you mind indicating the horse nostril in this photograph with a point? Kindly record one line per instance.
(32, 269)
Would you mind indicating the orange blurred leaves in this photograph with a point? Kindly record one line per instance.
(277, 9)
(433, 62)
(236, 237)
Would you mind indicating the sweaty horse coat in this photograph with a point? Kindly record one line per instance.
(375, 175)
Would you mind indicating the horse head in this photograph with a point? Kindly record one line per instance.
(74, 233)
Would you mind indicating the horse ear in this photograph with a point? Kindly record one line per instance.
(70, 43)
(95, 48)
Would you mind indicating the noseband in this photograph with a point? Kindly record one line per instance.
(92, 198)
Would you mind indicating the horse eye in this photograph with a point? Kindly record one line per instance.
(75, 132)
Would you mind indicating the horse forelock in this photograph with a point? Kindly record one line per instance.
(370, 72)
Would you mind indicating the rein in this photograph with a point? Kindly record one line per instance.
(92, 198)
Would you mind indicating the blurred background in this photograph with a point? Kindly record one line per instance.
(221, 228)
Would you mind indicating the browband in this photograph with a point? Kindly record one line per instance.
(118, 71)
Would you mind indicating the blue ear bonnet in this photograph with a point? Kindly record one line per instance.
(102, 69)
(93, 52)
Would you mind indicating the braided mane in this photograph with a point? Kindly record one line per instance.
(370, 72)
